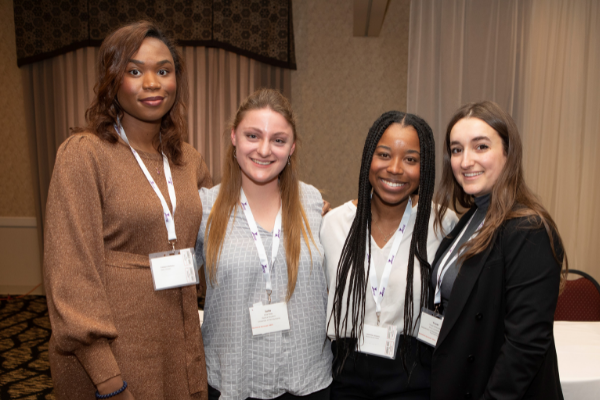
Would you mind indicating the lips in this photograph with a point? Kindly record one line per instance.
(152, 101)
(261, 163)
(472, 174)
(391, 184)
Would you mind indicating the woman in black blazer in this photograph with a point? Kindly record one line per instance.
(496, 277)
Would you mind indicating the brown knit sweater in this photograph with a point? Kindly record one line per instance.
(103, 219)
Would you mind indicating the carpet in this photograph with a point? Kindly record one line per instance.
(24, 335)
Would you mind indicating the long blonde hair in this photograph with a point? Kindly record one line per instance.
(294, 219)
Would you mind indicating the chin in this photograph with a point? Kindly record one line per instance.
(261, 180)
(395, 199)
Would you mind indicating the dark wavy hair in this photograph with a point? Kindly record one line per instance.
(351, 266)
(114, 55)
(511, 197)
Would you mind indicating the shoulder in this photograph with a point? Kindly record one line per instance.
(531, 221)
(309, 192)
(527, 233)
(190, 154)
(340, 218)
(81, 148)
(449, 221)
(81, 143)
(311, 198)
(208, 196)
(526, 222)
(193, 162)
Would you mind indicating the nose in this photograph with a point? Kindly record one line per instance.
(466, 161)
(151, 82)
(395, 166)
(264, 148)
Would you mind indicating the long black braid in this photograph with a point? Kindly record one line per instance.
(351, 264)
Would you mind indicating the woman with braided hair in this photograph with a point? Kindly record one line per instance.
(377, 252)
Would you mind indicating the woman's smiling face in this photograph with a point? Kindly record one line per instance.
(263, 141)
(149, 86)
(396, 167)
(477, 156)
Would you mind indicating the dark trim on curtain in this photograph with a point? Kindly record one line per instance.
(261, 30)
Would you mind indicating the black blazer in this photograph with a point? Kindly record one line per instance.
(496, 341)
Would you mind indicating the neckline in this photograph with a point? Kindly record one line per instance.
(483, 202)
(143, 154)
(350, 202)
(373, 242)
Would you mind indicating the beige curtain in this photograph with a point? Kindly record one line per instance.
(59, 90)
(219, 81)
(57, 93)
(561, 121)
(540, 60)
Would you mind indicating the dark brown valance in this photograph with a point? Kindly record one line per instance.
(259, 29)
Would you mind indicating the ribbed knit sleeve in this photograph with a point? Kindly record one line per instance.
(74, 258)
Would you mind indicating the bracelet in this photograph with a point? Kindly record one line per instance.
(116, 392)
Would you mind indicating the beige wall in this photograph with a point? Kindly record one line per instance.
(343, 83)
(16, 190)
(20, 269)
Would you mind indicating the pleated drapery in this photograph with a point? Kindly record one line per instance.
(221, 80)
(58, 91)
(540, 60)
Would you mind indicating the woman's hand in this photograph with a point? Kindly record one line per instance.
(112, 385)
(326, 208)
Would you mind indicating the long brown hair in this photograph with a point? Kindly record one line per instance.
(510, 197)
(114, 55)
(294, 219)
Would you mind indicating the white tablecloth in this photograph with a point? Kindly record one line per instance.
(578, 349)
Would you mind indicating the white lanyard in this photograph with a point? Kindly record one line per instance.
(444, 264)
(169, 219)
(264, 261)
(378, 290)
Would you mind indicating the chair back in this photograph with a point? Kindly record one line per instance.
(580, 299)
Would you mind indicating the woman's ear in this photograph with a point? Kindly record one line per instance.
(233, 137)
(293, 148)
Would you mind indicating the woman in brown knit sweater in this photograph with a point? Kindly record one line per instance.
(105, 216)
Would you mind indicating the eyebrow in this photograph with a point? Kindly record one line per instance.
(475, 139)
(390, 149)
(139, 62)
(258, 130)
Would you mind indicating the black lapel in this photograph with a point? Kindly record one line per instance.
(463, 285)
(447, 241)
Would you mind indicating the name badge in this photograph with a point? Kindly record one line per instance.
(269, 318)
(379, 341)
(429, 328)
(175, 268)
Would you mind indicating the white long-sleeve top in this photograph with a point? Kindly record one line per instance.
(334, 230)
